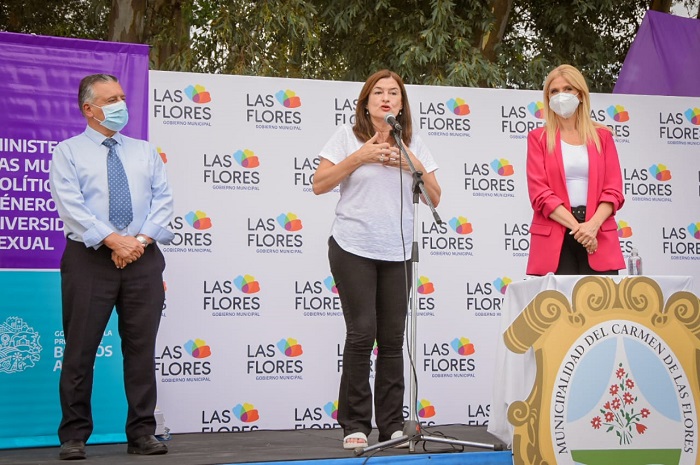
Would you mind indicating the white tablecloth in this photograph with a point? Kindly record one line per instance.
(515, 373)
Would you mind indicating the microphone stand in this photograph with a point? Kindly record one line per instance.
(411, 428)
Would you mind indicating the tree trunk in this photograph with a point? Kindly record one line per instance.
(127, 21)
(169, 32)
(663, 6)
(501, 12)
(158, 23)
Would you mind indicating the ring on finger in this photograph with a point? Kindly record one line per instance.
(381, 158)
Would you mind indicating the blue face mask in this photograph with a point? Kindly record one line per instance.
(116, 116)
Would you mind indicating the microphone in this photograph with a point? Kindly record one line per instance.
(391, 121)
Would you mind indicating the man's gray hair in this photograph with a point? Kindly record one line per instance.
(85, 94)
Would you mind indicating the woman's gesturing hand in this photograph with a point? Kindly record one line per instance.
(378, 152)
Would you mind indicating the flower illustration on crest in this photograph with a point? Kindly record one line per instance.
(619, 413)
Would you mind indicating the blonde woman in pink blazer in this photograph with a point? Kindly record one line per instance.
(575, 184)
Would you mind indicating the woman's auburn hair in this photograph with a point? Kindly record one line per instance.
(363, 127)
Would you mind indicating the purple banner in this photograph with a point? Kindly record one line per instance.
(38, 109)
(664, 58)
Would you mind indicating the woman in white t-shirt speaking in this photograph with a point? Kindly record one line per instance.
(370, 249)
(574, 182)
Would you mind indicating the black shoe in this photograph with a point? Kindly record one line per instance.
(146, 445)
(72, 450)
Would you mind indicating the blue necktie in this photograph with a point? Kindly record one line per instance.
(120, 213)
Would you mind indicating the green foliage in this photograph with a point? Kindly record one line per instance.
(62, 18)
(436, 42)
(593, 35)
(265, 38)
(426, 42)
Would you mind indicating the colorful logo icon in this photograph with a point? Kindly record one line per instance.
(198, 94)
(660, 172)
(288, 98)
(425, 286)
(329, 282)
(502, 167)
(247, 413)
(290, 347)
(246, 158)
(694, 230)
(198, 220)
(693, 115)
(458, 106)
(19, 346)
(247, 284)
(536, 109)
(162, 154)
(425, 408)
(501, 284)
(618, 113)
(331, 409)
(197, 348)
(290, 222)
(375, 348)
(624, 230)
(462, 346)
(461, 225)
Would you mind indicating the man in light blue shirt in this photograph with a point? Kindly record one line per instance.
(112, 193)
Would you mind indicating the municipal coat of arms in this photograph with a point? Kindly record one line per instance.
(617, 376)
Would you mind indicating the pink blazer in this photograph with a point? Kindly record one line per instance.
(546, 184)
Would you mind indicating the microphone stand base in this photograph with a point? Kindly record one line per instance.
(412, 434)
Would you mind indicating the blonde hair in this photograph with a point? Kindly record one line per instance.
(585, 125)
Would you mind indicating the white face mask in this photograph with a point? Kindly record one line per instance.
(564, 104)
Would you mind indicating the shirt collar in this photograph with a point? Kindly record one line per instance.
(98, 138)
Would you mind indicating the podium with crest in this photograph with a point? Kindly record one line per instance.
(599, 370)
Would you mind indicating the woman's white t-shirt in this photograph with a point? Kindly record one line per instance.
(369, 212)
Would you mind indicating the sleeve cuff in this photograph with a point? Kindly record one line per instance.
(94, 236)
(157, 233)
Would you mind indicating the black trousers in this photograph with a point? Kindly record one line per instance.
(374, 296)
(91, 287)
(574, 259)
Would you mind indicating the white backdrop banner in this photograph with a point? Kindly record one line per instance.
(252, 331)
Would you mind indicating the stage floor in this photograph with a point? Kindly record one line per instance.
(275, 446)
